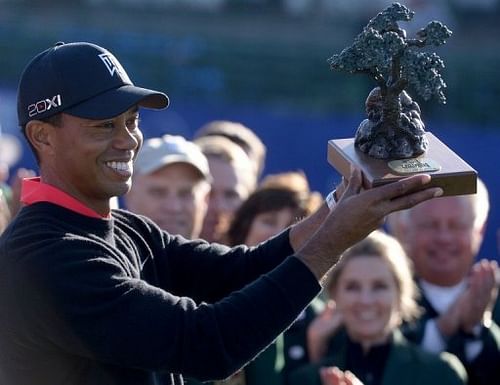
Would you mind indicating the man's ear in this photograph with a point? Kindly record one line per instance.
(40, 136)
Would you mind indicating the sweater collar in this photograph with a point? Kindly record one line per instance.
(33, 190)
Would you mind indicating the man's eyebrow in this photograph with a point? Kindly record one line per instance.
(134, 110)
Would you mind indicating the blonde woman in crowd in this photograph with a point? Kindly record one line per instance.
(372, 293)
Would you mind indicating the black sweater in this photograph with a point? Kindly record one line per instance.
(118, 301)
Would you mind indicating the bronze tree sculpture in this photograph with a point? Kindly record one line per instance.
(394, 129)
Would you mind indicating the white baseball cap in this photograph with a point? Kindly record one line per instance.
(159, 152)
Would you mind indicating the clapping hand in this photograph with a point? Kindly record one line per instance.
(473, 306)
(480, 295)
(321, 329)
(334, 376)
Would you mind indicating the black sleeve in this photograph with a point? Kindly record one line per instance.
(197, 269)
(85, 303)
(210, 272)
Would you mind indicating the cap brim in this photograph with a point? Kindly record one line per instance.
(118, 100)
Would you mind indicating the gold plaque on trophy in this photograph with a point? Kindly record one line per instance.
(413, 165)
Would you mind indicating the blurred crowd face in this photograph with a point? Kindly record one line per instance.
(229, 189)
(4, 172)
(367, 296)
(175, 197)
(4, 212)
(267, 224)
(442, 239)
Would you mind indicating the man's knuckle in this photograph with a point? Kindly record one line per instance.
(401, 188)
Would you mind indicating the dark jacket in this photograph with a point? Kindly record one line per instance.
(118, 301)
(484, 368)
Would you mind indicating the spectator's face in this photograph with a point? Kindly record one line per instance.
(267, 224)
(175, 197)
(441, 239)
(92, 160)
(229, 190)
(366, 294)
(4, 172)
(4, 212)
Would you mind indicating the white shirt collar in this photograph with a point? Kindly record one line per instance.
(441, 297)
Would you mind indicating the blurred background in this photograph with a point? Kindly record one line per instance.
(263, 63)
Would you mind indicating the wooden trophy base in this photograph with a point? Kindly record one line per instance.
(447, 169)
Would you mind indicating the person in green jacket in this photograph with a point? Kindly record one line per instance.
(374, 293)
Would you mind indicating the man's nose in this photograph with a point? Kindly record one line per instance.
(126, 139)
(172, 204)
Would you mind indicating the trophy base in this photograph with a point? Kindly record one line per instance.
(447, 169)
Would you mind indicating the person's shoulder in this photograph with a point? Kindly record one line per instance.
(128, 216)
(31, 224)
(442, 365)
(496, 308)
(490, 335)
(125, 217)
(449, 366)
(436, 360)
(136, 225)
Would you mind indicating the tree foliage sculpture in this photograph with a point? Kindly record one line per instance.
(394, 128)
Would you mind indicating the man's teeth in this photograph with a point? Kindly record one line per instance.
(120, 166)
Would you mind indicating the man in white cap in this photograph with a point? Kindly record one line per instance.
(171, 185)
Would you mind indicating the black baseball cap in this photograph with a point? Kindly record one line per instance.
(81, 79)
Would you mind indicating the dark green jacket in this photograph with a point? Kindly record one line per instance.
(406, 364)
(496, 311)
(295, 339)
(485, 368)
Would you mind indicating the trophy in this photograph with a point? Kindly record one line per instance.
(391, 143)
